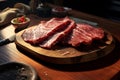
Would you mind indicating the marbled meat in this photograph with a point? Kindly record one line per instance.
(62, 30)
(85, 34)
(52, 40)
(39, 33)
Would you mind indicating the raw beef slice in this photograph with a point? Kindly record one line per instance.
(52, 40)
(85, 34)
(45, 29)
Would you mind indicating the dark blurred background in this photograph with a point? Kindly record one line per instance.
(104, 8)
(109, 9)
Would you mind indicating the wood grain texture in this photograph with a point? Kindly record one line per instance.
(68, 54)
(105, 68)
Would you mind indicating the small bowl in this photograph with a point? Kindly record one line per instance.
(20, 25)
(17, 71)
(60, 11)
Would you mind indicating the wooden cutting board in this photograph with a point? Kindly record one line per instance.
(67, 55)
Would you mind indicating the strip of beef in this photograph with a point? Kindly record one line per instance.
(85, 34)
(45, 29)
(95, 33)
(52, 40)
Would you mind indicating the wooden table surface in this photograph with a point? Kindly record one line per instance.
(105, 68)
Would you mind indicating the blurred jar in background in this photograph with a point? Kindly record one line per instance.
(34, 4)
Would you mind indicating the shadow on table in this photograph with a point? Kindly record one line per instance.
(91, 65)
(116, 77)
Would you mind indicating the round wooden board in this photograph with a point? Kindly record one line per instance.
(66, 55)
